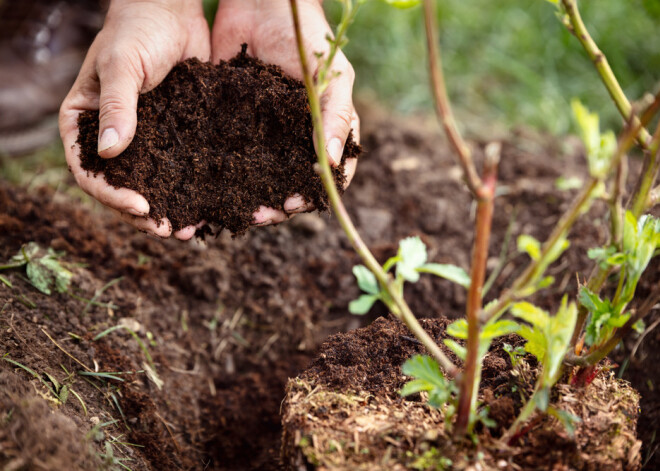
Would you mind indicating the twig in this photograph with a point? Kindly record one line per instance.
(442, 106)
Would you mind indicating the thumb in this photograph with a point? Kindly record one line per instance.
(120, 86)
(338, 112)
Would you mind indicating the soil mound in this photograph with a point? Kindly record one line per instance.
(214, 142)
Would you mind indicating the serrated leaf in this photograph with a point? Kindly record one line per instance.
(412, 255)
(413, 251)
(499, 329)
(448, 272)
(535, 344)
(425, 368)
(529, 245)
(362, 304)
(458, 329)
(428, 377)
(365, 279)
(530, 313)
(458, 349)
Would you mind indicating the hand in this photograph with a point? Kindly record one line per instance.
(267, 28)
(139, 44)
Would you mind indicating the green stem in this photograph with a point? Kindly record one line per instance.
(604, 69)
(649, 174)
(403, 310)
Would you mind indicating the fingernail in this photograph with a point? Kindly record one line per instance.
(264, 223)
(294, 203)
(135, 212)
(108, 139)
(335, 150)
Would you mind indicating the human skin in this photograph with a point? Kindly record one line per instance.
(142, 40)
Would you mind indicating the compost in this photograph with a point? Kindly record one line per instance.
(215, 142)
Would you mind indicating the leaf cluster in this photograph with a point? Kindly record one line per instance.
(43, 268)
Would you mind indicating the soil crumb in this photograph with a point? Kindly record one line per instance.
(215, 142)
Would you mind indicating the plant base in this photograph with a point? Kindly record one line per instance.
(344, 412)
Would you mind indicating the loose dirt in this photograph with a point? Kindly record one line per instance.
(232, 320)
(215, 142)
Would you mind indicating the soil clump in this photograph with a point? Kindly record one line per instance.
(215, 142)
(345, 412)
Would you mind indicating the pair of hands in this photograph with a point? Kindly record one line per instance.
(142, 40)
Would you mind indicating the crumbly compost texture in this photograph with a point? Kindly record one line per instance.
(215, 142)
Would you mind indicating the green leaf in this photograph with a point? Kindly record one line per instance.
(365, 279)
(543, 399)
(599, 147)
(412, 254)
(532, 314)
(429, 378)
(536, 344)
(403, 4)
(46, 272)
(499, 329)
(362, 304)
(568, 183)
(529, 245)
(458, 329)
(458, 349)
(448, 272)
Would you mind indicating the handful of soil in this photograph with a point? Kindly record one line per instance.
(214, 142)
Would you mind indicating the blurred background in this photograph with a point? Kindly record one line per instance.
(508, 63)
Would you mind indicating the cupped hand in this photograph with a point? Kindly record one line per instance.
(141, 41)
(267, 28)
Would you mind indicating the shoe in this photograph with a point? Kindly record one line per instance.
(42, 46)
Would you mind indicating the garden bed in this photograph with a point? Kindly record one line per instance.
(233, 320)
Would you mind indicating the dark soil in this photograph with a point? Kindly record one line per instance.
(232, 320)
(215, 142)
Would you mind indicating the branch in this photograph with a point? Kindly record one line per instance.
(602, 351)
(403, 312)
(603, 68)
(442, 106)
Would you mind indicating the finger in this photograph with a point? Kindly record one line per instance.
(162, 230)
(265, 216)
(297, 204)
(355, 127)
(338, 111)
(349, 171)
(120, 81)
(186, 233)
